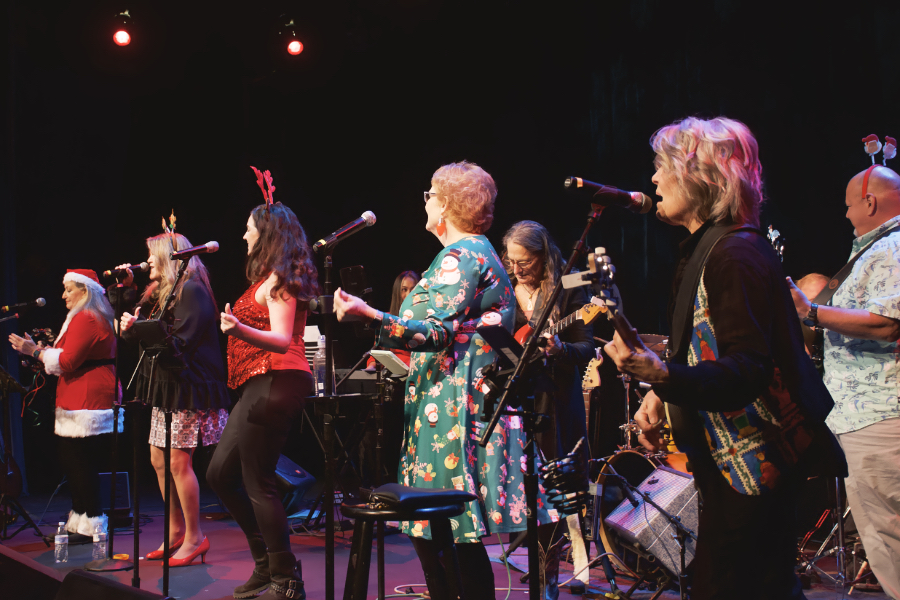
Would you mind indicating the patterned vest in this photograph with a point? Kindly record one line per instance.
(753, 446)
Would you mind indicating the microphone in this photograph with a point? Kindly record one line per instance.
(206, 248)
(626, 491)
(37, 302)
(366, 220)
(606, 195)
(124, 272)
(619, 481)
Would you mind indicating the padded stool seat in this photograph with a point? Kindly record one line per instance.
(367, 513)
(394, 502)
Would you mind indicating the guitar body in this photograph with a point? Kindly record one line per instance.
(523, 333)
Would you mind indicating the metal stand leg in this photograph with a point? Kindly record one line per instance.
(167, 501)
(135, 496)
(109, 563)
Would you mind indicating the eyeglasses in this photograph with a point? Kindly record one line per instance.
(428, 195)
(522, 264)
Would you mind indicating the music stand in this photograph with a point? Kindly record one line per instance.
(8, 502)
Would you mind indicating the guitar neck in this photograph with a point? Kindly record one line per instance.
(564, 323)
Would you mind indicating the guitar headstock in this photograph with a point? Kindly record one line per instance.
(591, 378)
(603, 274)
(777, 241)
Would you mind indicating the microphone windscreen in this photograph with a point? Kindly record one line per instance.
(144, 266)
(212, 246)
(646, 204)
(40, 302)
(369, 218)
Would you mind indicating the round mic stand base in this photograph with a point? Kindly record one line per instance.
(109, 564)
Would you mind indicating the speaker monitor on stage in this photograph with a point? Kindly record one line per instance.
(293, 481)
(122, 517)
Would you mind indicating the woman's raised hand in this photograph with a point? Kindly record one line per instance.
(128, 319)
(130, 279)
(350, 308)
(229, 323)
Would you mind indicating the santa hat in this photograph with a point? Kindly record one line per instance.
(86, 277)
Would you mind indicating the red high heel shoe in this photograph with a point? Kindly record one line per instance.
(158, 554)
(202, 549)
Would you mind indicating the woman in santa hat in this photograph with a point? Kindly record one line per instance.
(84, 359)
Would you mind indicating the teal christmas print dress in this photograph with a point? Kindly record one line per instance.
(465, 287)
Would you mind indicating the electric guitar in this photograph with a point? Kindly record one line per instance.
(602, 275)
(586, 313)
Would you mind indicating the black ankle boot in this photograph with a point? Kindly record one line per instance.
(287, 577)
(260, 578)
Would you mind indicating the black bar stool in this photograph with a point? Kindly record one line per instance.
(395, 502)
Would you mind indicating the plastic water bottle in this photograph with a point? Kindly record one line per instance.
(319, 367)
(99, 542)
(61, 544)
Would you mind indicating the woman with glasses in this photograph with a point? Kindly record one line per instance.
(534, 264)
(464, 288)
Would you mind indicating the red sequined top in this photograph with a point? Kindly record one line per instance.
(246, 360)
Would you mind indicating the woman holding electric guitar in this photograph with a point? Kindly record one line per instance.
(534, 264)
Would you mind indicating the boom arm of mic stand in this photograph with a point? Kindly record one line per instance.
(532, 344)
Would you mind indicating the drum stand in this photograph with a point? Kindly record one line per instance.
(839, 550)
(630, 427)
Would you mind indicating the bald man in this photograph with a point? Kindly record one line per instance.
(862, 368)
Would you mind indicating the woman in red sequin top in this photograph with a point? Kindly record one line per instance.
(268, 368)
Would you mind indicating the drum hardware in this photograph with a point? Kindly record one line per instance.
(838, 549)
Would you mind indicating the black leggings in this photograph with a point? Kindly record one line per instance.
(80, 460)
(251, 443)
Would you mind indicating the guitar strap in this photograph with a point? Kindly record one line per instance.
(824, 297)
(682, 323)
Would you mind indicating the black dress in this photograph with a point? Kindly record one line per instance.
(565, 407)
(197, 383)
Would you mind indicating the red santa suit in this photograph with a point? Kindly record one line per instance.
(84, 359)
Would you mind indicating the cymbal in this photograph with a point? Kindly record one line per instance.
(654, 342)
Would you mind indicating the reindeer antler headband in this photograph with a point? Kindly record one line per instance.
(873, 146)
(170, 229)
(265, 176)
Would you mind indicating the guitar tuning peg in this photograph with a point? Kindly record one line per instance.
(610, 302)
(599, 250)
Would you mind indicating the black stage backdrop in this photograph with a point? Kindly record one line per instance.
(100, 142)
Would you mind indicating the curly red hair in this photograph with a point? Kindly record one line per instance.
(469, 192)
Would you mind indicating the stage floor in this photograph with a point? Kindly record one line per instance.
(229, 563)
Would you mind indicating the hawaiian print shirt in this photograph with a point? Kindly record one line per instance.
(862, 374)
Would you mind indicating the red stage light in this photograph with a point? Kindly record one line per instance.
(122, 38)
(295, 48)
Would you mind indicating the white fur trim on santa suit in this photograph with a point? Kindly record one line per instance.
(84, 423)
(83, 524)
(50, 357)
(84, 280)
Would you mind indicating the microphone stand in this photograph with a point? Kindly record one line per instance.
(154, 352)
(527, 412)
(109, 563)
